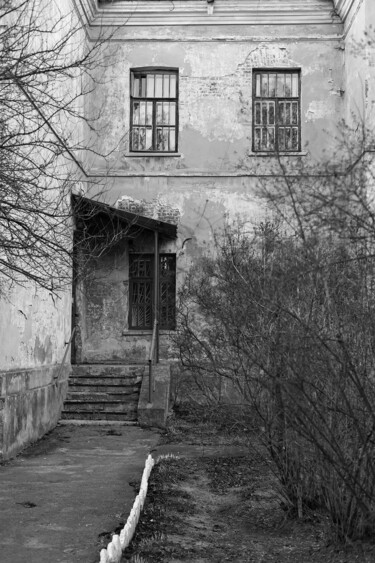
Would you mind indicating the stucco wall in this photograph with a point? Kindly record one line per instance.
(214, 177)
(359, 63)
(103, 308)
(215, 100)
(34, 323)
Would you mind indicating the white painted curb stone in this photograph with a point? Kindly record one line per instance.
(119, 543)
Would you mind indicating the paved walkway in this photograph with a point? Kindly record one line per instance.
(61, 495)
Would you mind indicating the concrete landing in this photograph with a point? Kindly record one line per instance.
(59, 497)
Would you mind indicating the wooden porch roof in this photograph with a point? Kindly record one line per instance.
(87, 209)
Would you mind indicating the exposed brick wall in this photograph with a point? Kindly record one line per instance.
(156, 209)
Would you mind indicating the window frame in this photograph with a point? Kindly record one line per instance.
(151, 279)
(277, 99)
(153, 70)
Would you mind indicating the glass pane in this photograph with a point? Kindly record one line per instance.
(148, 139)
(288, 138)
(282, 112)
(271, 138)
(295, 86)
(150, 85)
(264, 113)
(265, 85)
(140, 267)
(158, 85)
(141, 303)
(166, 86)
(257, 113)
(264, 138)
(142, 139)
(257, 85)
(161, 139)
(135, 113)
(272, 85)
(172, 113)
(135, 86)
(135, 139)
(257, 139)
(159, 113)
(149, 113)
(172, 140)
(172, 86)
(143, 87)
(287, 113)
(165, 116)
(288, 85)
(281, 139)
(295, 138)
(142, 113)
(280, 86)
(294, 113)
(271, 114)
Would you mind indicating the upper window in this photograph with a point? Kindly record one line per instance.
(153, 111)
(276, 111)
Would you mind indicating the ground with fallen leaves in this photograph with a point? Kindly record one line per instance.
(207, 506)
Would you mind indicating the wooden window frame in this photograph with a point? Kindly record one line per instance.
(276, 100)
(132, 280)
(154, 100)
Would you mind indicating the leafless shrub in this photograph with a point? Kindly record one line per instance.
(287, 316)
(47, 69)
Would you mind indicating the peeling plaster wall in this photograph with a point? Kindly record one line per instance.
(214, 175)
(103, 308)
(215, 100)
(34, 328)
(359, 63)
(214, 178)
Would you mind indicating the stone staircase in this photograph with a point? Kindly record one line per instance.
(103, 392)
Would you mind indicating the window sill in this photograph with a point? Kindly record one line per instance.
(275, 155)
(147, 154)
(145, 332)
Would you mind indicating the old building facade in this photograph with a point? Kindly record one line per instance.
(196, 100)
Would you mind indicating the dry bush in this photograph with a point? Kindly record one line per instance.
(290, 324)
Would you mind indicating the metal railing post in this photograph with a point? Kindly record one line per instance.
(151, 382)
(67, 344)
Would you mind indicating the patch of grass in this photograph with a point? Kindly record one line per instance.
(228, 472)
(165, 507)
(206, 424)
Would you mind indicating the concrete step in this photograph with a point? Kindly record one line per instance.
(97, 396)
(103, 392)
(99, 406)
(99, 380)
(108, 389)
(130, 416)
(104, 370)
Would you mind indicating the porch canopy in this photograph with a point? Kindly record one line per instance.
(97, 218)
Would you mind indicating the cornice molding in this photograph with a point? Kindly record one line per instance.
(86, 9)
(344, 7)
(132, 13)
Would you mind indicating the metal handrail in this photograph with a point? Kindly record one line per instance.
(151, 360)
(67, 344)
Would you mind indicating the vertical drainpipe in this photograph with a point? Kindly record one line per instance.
(156, 293)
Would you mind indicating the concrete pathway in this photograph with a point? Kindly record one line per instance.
(60, 496)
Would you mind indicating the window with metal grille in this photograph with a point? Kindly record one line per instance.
(141, 278)
(153, 110)
(276, 111)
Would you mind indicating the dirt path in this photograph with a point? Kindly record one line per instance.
(216, 508)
